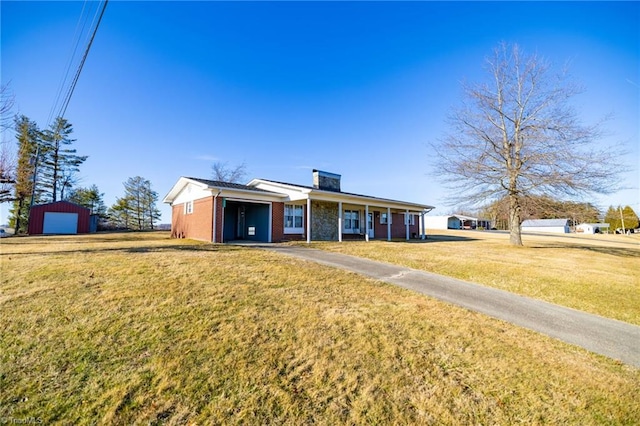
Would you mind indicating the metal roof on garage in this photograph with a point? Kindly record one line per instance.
(541, 223)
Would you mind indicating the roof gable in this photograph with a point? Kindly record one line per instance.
(214, 186)
(62, 204)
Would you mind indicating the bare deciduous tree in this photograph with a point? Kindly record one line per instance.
(221, 171)
(517, 135)
(7, 100)
(8, 159)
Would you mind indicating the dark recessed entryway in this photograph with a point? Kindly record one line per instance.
(246, 221)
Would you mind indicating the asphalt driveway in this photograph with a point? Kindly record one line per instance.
(611, 338)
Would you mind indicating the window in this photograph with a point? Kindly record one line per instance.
(383, 219)
(188, 207)
(409, 219)
(293, 219)
(351, 221)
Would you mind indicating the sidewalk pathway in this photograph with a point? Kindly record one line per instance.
(612, 338)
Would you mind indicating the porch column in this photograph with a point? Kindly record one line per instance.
(339, 221)
(215, 222)
(308, 220)
(366, 222)
(270, 227)
(388, 223)
(424, 225)
(224, 205)
(406, 220)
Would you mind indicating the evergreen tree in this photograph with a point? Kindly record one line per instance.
(630, 218)
(90, 198)
(612, 217)
(27, 136)
(58, 162)
(615, 216)
(119, 214)
(137, 209)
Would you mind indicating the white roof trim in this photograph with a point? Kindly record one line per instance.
(279, 191)
(219, 189)
(300, 192)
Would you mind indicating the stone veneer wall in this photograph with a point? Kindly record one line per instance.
(324, 221)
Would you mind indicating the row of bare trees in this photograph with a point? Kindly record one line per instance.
(540, 207)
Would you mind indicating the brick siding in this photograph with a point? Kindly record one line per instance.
(398, 228)
(197, 225)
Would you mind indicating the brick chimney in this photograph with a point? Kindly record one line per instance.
(326, 181)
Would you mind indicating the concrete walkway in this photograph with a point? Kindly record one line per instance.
(614, 339)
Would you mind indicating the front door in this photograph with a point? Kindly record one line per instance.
(241, 220)
(370, 225)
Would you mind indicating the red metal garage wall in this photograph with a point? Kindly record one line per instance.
(36, 217)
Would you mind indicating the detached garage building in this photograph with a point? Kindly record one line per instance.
(592, 228)
(556, 226)
(61, 217)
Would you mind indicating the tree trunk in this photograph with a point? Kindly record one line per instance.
(515, 236)
(19, 216)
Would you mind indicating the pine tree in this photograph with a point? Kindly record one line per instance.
(119, 214)
(612, 217)
(615, 215)
(137, 209)
(27, 136)
(90, 198)
(630, 218)
(58, 162)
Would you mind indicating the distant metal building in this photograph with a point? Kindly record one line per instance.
(556, 226)
(61, 217)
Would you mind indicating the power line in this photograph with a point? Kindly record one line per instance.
(77, 35)
(67, 99)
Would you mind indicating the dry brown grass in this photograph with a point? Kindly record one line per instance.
(138, 329)
(594, 273)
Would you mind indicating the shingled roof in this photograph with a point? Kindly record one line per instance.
(229, 185)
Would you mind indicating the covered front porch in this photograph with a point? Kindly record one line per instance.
(349, 220)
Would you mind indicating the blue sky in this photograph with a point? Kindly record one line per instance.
(360, 89)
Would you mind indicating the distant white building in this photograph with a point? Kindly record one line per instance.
(556, 226)
(592, 228)
(456, 221)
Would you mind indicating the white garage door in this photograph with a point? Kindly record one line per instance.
(60, 223)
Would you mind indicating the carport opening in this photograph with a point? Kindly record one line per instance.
(246, 221)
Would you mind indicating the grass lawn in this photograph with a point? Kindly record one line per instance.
(141, 329)
(593, 273)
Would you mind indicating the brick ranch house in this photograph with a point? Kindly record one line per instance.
(269, 211)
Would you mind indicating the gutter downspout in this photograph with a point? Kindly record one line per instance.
(215, 216)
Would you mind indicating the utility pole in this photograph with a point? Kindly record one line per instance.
(624, 231)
